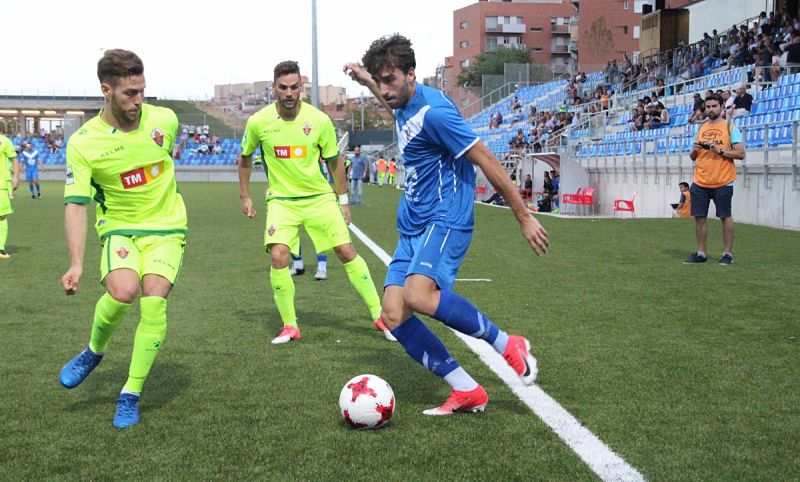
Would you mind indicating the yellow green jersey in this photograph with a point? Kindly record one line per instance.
(7, 153)
(130, 175)
(291, 150)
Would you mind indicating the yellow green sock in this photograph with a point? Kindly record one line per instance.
(358, 273)
(3, 232)
(149, 337)
(283, 292)
(108, 314)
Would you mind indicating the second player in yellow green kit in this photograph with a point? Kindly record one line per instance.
(293, 136)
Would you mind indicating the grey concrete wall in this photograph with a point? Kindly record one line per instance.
(766, 192)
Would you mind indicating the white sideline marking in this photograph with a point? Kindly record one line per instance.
(473, 279)
(598, 456)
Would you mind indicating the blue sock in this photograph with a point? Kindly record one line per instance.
(30, 186)
(299, 256)
(424, 347)
(322, 258)
(459, 314)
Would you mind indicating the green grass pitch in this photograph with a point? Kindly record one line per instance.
(687, 372)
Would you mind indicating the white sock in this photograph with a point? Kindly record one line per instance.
(298, 264)
(460, 380)
(702, 253)
(322, 265)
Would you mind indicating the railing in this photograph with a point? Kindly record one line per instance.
(775, 139)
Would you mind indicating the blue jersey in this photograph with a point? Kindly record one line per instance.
(30, 158)
(440, 182)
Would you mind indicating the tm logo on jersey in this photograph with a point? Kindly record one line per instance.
(141, 176)
(290, 152)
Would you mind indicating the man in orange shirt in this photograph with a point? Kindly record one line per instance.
(717, 144)
(392, 171)
(381, 171)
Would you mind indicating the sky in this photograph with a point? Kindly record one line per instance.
(188, 47)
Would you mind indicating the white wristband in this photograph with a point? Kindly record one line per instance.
(343, 199)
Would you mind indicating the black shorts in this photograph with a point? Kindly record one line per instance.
(701, 196)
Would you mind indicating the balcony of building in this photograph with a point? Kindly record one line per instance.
(560, 49)
(557, 29)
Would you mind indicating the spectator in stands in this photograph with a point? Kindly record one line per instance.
(717, 144)
(793, 52)
(684, 207)
(359, 165)
(660, 118)
(728, 106)
(742, 104)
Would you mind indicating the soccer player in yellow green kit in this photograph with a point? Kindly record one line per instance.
(122, 159)
(8, 182)
(293, 135)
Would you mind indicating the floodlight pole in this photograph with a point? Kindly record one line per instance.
(314, 69)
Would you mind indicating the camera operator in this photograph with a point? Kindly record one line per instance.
(717, 143)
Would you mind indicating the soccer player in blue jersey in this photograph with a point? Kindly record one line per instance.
(435, 221)
(32, 165)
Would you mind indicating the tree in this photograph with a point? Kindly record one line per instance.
(491, 63)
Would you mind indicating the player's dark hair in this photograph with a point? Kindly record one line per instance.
(286, 67)
(684, 184)
(389, 52)
(716, 97)
(118, 64)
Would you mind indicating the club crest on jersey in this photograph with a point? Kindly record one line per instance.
(158, 137)
(122, 252)
(272, 229)
(307, 128)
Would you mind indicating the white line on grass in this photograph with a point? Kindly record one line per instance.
(598, 456)
(473, 279)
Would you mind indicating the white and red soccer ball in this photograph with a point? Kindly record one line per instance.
(366, 401)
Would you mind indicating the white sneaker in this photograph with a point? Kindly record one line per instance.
(321, 275)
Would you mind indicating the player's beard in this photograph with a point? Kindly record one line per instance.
(712, 116)
(127, 118)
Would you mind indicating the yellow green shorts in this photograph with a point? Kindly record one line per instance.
(320, 215)
(5, 202)
(161, 255)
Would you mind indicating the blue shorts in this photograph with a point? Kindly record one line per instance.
(31, 173)
(436, 253)
(701, 197)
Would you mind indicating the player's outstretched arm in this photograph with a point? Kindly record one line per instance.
(360, 75)
(481, 156)
(245, 168)
(75, 231)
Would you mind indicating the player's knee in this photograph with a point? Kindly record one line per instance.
(345, 252)
(279, 255)
(123, 293)
(419, 300)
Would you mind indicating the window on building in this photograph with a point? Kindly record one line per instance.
(637, 31)
(624, 30)
(626, 5)
(464, 63)
(491, 43)
(491, 23)
(464, 24)
(536, 49)
(536, 29)
(464, 44)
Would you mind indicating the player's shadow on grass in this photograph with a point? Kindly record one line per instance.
(166, 381)
(14, 248)
(680, 254)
